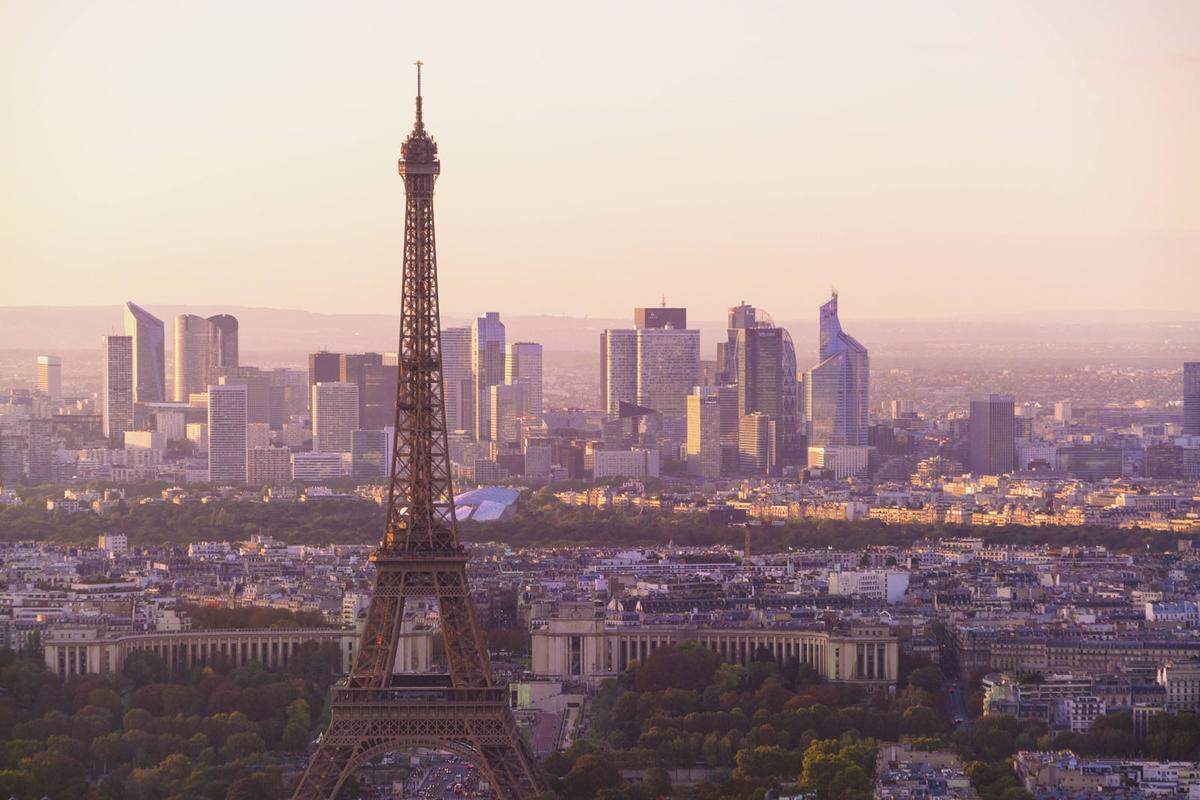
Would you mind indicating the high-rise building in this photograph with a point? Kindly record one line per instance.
(369, 453)
(539, 457)
(837, 387)
(194, 337)
(204, 349)
(1062, 412)
(1191, 398)
(225, 340)
(49, 376)
(268, 466)
(524, 367)
(992, 435)
(506, 404)
(324, 367)
(760, 359)
(458, 380)
(335, 416)
(377, 396)
(487, 367)
(704, 432)
(352, 369)
(757, 444)
(227, 434)
(660, 317)
(291, 391)
(651, 367)
(618, 369)
(149, 359)
(116, 391)
(258, 389)
(668, 366)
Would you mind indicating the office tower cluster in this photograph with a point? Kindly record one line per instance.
(492, 394)
(836, 399)
(203, 348)
(747, 413)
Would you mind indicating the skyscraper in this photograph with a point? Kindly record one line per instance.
(227, 434)
(668, 366)
(458, 379)
(352, 369)
(660, 317)
(760, 359)
(377, 396)
(258, 389)
(1191, 398)
(757, 437)
(837, 387)
(149, 360)
(524, 367)
(506, 405)
(116, 391)
(369, 453)
(992, 435)
(487, 367)
(618, 369)
(195, 340)
(704, 432)
(49, 376)
(335, 416)
(324, 367)
(225, 340)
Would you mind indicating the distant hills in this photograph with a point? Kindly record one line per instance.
(1119, 335)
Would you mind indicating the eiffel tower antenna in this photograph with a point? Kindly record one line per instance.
(375, 709)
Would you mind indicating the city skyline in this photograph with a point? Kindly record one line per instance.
(1046, 146)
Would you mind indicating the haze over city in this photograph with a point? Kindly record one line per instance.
(774, 401)
(928, 159)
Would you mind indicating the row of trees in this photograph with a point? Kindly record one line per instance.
(146, 735)
(756, 727)
(541, 520)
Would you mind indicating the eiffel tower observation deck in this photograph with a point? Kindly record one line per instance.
(375, 709)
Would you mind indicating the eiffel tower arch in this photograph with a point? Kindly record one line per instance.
(374, 710)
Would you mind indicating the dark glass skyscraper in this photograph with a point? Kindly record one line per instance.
(225, 346)
(992, 436)
(1191, 398)
(836, 388)
(149, 361)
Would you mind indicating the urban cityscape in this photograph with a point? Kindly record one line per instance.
(794, 553)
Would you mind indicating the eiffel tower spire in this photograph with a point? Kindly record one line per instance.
(375, 709)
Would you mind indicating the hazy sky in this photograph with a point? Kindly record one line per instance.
(925, 158)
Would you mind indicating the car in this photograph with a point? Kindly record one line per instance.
(959, 720)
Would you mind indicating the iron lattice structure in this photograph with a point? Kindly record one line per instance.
(375, 710)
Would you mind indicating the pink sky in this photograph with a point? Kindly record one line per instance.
(927, 158)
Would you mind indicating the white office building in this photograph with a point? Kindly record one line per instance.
(458, 382)
(227, 434)
(524, 368)
(873, 584)
(49, 376)
(704, 432)
(116, 391)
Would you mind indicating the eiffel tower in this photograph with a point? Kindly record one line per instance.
(375, 710)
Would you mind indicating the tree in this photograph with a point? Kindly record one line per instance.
(144, 667)
(296, 727)
(590, 774)
(686, 666)
(242, 745)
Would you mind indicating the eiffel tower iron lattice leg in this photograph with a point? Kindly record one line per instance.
(376, 709)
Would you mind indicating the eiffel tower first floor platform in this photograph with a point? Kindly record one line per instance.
(421, 711)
